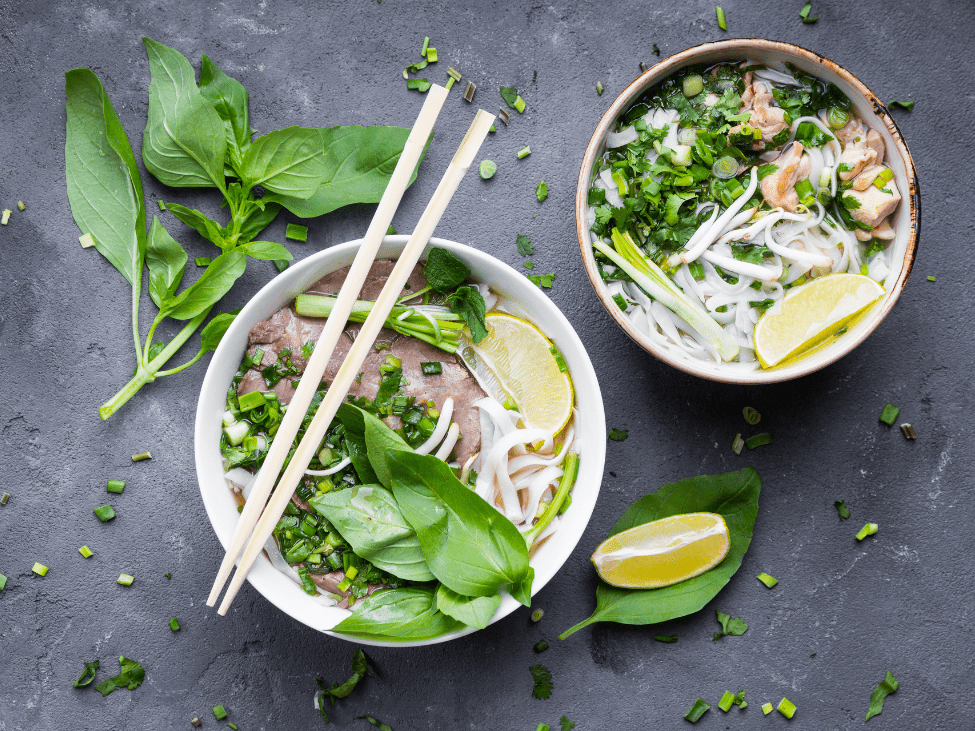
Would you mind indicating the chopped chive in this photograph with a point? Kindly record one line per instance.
(758, 440)
(469, 92)
(449, 84)
(162, 206)
(168, 575)
(909, 432)
(203, 261)
(431, 55)
(541, 191)
(141, 456)
(665, 638)
(343, 586)
(868, 530)
(524, 152)
(502, 113)
(3, 582)
(740, 700)
(769, 581)
(909, 106)
(722, 23)
(174, 624)
(541, 646)
(454, 73)
(699, 708)
(787, 708)
(727, 700)
(434, 368)
(426, 45)
(767, 708)
(599, 88)
(519, 105)
(125, 579)
(86, 241)
(738, 444)
(105, 513)
(806, 17)
(6, 216)
(232, 726)
(220, 712)
(116, 486)
(751, 415)
(40, 569)
(21, 206)
(487, 168)
(932, 278)
(559, 359)
(537, 615)
(841, 508)
(296, 232)
(494, 128)
(86, 552)
(5, 498)
(251, 400)
(889, 414)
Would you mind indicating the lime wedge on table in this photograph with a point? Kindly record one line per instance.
(810, 314)
(664, 552)
(523, 361)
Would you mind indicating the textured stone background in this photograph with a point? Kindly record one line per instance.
(901, 600)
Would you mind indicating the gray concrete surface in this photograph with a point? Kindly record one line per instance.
(844, 611)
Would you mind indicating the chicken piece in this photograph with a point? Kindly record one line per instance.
(769, 119)
(856, 157)
(874, 205)
(883, 231)
(779, 187)
(867, 176)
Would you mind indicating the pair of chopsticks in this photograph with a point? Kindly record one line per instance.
(260, 515)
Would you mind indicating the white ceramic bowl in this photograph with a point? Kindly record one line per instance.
(906, 220)
(281, 590)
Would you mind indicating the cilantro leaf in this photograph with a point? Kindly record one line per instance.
(886, 686)
(566, 724)
(618, 435)
(543, 681)
(541, 191)
(444, 271)
(542, 280)
(751, 253)
(730, 625)
(524, 243)
(131, 676)
(766, 170)
(841, 508)
(909, 106)
(469, 304)
(811, 136)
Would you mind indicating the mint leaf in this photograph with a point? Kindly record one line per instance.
(469, 304)
(444, 271)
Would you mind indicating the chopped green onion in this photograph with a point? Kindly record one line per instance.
(758, 440)
(3, 582)
(40, 569)
(86, 552)
(543, 727)
(738, 444)
(868, 530)
(692, 85)
(889, 414)
(620, 302)
(751, 415)
(740, 700)
(21, 206)
(541, 646)
(502, 113)
(434, 368)
(296, 232)
(524, 152)
(141, 456)
(196, 722)
(837, 117)
(431, 55)
(168, 575)
(232, 726)
(541, 191)
(174, 624)
(126, 579)
(116, 486)
(426, 45)
(722, 23)
(421, 85)
(6, 216)
(665, 638)
(450, 83)
(343, 586)
(699, 708)
(220, 712)
(725, 168)
(932, 278)
(352, 572)
(559, 359)
(454, 73)
(251, 400)
(769, 581)
(5, 498)
(537, 615)
(105, 513)
(727, 700)
(909, 106)
(884, 177)
(643, 66)
(599, 88)
(487, 168)
(203, 261)
(469, 93)
(787, 708)
(806, 17)
(493, 128)
(162, 206)
(842, 509)
(767, 708)
(86, 241)
(908, 431)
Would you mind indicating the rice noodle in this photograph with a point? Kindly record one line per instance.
(440, 430)
(331, 470)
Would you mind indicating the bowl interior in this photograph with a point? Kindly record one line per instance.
(873, 113)
(220, 506)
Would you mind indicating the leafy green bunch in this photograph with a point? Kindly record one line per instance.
(199, 136)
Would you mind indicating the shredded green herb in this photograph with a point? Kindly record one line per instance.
(665, 638)
(618, 435)
(841, 508)
(884, 688)
(130, 676)
(543, 681)
(88, 675)
(729, 625)
(566, 724)
(360, 669)
(542, 280)
(524, 244)
(909, 106)
(376, 722)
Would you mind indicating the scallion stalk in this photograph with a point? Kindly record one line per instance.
(570, 470)
(524, 151)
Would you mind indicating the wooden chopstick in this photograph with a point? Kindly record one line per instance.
(329, 337)
(360, 349)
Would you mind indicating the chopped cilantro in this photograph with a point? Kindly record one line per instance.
(543, 280)
(524, 244)
(618, 435)
(130, 676)
(729, 625)
(541, 191)
(841, 508)
(766, 170)
(566, 724)
(884, 688)
(909, 106)
(543, 681)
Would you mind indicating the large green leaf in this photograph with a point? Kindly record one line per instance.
(474, 611)
(184, 143)
(230, 100)
(167, 262)
(205, 226)
(469, 546)
(288, 161)
(257, 221)
(359, 162)
(104, 187)
(368, 517)
(408, 613)
(213, 333)
(214, 283)
(733, 495)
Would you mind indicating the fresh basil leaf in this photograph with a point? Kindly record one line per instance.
(444, 271)
(886, 686)
(88, 675)
(257, 221)
(104, 187)
(184, 142)
(381, 443)
(131, 676)
(469, 546)
(214, 283)
(469, 304)
(472, 611)
(230, 100)
(406, 614)
(167, 262)
(729, 625)
(510, 95)
(734, 496)
(376, 722)
(369, 519)
(522, 591)
(353, 419)
(266, 250)
(288, 161)
(360, 669)
(359, 162)
(206, 227)
(213, 333)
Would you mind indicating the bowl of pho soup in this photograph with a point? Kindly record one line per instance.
(721, 195)
(498, 442)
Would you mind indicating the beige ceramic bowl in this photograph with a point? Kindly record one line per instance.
(906, 220)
